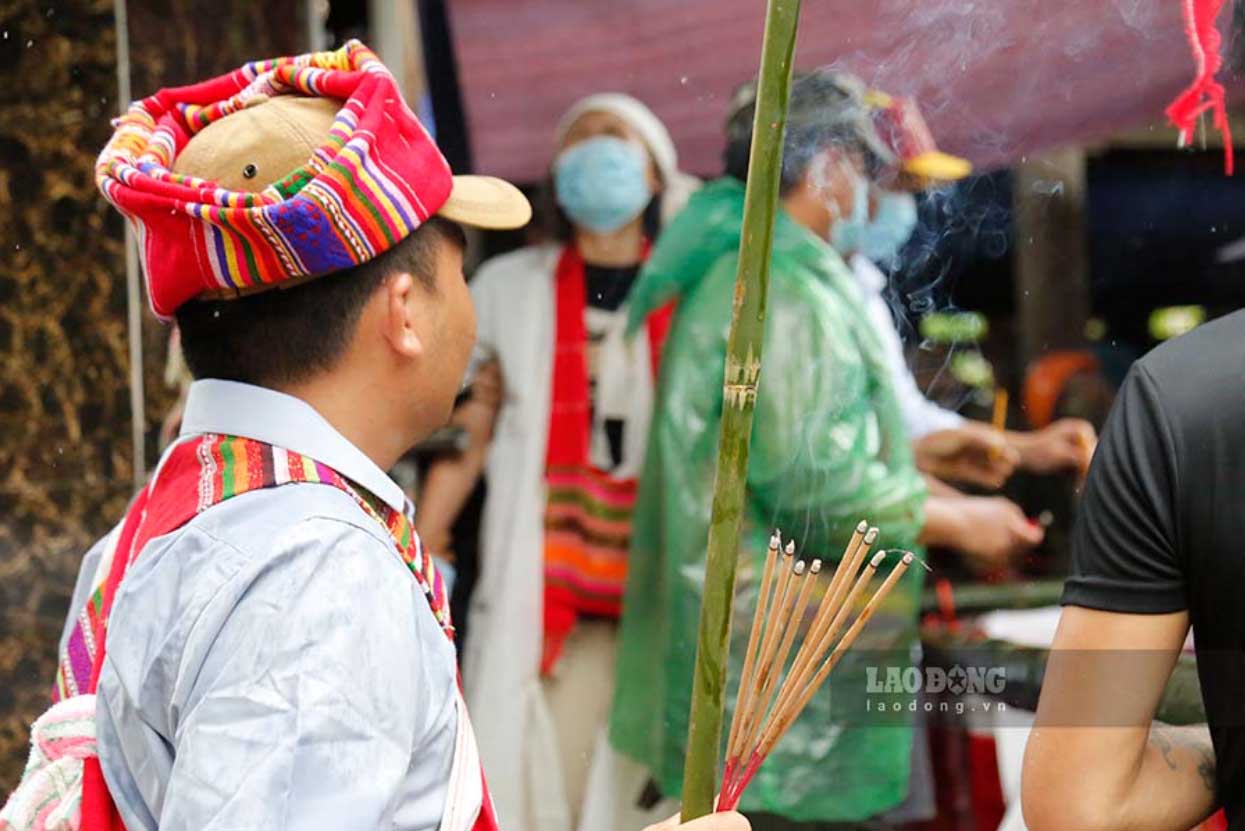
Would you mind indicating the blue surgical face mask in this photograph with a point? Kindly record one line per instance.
(602, 183)
(848, 231)
(891, 227)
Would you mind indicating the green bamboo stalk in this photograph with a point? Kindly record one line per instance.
(742, 371)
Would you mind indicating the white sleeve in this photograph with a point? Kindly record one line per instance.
(321, 701)
(920, 415)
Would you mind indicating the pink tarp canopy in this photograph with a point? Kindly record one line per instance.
(997, 79)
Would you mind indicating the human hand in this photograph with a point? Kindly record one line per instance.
(974, 452)
(725, 821)
(992, 530)
(1066, 444)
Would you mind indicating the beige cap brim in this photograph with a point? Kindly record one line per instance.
(938, 166)
(486, 202)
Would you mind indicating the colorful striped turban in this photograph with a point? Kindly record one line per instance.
(360, 174)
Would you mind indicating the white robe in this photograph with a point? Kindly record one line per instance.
(515, 306)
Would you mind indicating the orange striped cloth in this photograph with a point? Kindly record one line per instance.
(588, 512)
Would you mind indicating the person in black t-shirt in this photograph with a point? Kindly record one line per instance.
(1157, 551)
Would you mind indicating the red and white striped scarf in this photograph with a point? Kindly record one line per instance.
(588, 511)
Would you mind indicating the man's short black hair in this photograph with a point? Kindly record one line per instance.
(285, 336)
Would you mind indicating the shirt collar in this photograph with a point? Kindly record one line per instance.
(234, 409)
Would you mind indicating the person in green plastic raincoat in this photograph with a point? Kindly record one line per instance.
(828, 449)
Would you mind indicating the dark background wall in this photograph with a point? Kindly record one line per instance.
(65, 451)
(64, 390)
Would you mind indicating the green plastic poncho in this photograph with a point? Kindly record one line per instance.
(828, 449)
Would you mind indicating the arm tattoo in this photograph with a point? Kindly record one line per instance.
(1206, 767)
(1169, 741)
(1160, 739)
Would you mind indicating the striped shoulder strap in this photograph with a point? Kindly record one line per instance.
(229, 466)
(198, 474)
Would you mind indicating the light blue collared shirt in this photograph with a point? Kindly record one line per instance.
(273, 664)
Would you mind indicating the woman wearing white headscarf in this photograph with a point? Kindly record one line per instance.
(559, 418)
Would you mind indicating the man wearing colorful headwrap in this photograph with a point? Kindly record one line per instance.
(278, 648)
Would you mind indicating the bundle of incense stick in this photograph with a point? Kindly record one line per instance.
(770, 699)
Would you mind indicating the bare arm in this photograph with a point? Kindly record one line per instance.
(451, 480)
(937, 487)
(942, 524)
(1094, 761)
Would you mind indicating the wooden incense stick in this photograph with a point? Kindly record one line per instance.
(832, 604)
(770, 700)
(799, 676)
(839, 590)
(783, 721)
(999, 419)
(793, 617)
(769, 639)
(771, 667)
(841, 575)
(849, 603)
(747, 722)
(747, 690)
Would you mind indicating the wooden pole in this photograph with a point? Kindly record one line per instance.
(1051, 254)
(743, 369)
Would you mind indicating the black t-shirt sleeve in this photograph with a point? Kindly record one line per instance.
(1125, 551)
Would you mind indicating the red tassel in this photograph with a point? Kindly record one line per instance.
(1205, 93)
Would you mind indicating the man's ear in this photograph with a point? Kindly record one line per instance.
(400, 318)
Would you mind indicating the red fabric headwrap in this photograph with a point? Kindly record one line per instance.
(374, 180)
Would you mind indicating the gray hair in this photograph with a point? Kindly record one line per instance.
(826, 108)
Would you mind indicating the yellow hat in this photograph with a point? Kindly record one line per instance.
(902, 128)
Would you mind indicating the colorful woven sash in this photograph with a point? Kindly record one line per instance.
(588, 512)
(198, 474)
